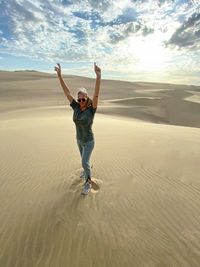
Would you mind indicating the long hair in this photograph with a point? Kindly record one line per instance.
(89, 102)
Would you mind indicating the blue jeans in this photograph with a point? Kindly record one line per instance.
(86, 151)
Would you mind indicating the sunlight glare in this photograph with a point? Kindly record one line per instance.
(150, 54)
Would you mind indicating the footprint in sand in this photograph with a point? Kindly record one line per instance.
(96, 184)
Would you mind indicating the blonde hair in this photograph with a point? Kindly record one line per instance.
(89, 102)
(82, 90)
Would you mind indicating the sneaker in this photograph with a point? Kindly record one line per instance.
(86, 188)
(82, 175)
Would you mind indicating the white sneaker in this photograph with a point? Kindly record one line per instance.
(86, 188)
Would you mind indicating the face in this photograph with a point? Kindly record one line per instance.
(83, 98)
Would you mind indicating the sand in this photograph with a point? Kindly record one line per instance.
(144, 207)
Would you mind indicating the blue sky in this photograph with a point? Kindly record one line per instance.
(133, 40)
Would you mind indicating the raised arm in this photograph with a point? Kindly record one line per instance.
(62, 83)
(97, 85)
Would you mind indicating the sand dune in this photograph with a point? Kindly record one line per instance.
(144, 206)
(153, 102)
(174, 108)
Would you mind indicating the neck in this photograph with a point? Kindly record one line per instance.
(83, 108)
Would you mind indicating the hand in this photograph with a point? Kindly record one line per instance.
(58, 69)
(97, 70)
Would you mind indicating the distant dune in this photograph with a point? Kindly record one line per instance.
(154, 102)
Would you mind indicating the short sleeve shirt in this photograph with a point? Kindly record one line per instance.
(83, 121)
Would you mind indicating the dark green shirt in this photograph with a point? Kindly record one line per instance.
(83, 121)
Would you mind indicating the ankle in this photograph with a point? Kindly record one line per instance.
(88, 180)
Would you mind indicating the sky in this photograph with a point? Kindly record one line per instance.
(132, 40)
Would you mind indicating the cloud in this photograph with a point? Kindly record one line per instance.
(48, 31)
(101, 6)
(188, 35)
(120, 33)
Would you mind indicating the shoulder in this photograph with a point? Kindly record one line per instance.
(74, 104)
(93, 110)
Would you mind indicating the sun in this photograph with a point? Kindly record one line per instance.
(149, 54)
(150, 57)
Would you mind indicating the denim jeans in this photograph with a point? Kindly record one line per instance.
(85, 152)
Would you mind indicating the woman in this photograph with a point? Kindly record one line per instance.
(84, 111)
